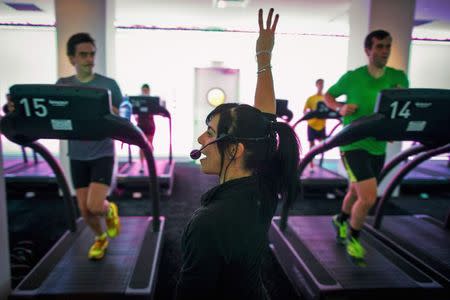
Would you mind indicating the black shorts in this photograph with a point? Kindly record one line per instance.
(362, 165)
(98, 170)
(316, 134)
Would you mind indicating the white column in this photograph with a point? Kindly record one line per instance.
(95, 17)
(110, 38)
(358, 18)
(396, 17)
(5, 274)
(80, 16)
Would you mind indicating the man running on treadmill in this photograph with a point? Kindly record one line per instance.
(92, 162)
(363, 159)
(316, 127)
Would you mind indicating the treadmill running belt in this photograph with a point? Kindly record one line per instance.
(75, 274)
(319, 237)
(424, 239)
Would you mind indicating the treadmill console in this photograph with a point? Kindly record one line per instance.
(416, 114)
(57, 111)
(148, 105)
(324, 112)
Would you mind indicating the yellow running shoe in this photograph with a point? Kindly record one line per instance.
(98, 249)
(112, 221)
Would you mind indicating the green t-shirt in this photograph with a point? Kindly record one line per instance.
(362, 89)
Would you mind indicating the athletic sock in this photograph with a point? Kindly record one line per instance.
(354, 233)
(101, 237)
(342, 217)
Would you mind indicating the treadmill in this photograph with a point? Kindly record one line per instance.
(13, 163)
(322, 177)
(417, 237)
(130, 268)
(306, 247)
(33, 174)
(429, 174)
(22, 171)
(128, 173)
(282, 111)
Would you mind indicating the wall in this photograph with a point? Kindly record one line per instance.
(28, 55)
(166, 59)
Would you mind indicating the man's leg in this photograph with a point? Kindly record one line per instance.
(340, 220)
(91, 220)
(97, 209)
(367, 196)
(101, 175)
(81, 175)
(311, 138)
(80, 171)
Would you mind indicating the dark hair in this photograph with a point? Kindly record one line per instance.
(145, 86)
(320, 79)
(271, 148)
(378, 34)
(76, 39)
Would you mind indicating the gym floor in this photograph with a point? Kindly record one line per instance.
(41, 220)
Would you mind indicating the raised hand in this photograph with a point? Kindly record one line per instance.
(266, 38)
(265, 94)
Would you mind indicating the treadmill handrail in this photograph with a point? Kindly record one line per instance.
(61, 180)
(396, 180)
(61, 112)
(400, 157)
(322, 112)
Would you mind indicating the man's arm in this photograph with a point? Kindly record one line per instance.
(342, 109)
(338, 89)
(116, 95)
(331, 102)
(265, 94)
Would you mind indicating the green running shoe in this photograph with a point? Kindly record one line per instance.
(341, 230)
(356, 252)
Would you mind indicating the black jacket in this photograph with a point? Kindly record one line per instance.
(225, 239)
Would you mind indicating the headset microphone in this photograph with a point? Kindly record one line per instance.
(196, 153)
